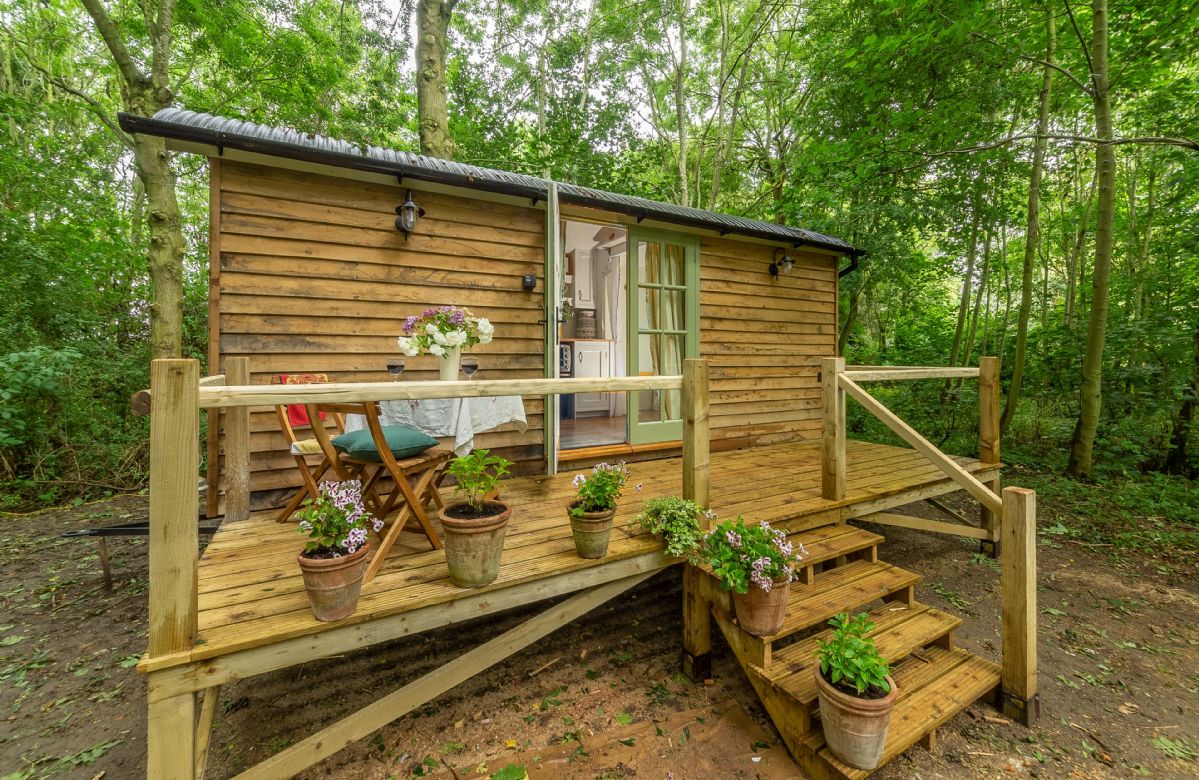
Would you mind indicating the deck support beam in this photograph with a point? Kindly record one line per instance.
(1018, 580)
(374, 716)
(237, 445)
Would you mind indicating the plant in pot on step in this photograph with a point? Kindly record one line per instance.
(474, 528)
(676, 521)
(332, 562)
(757, 563)
(856, 692)
(594, 507)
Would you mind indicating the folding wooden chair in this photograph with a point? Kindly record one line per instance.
(297, 416)
(416, 479)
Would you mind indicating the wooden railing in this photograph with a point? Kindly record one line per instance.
(1008, 520)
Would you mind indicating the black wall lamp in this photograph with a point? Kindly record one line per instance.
(782, 263)
(408, 214)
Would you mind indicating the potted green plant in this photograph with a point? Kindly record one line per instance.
(856, 692)
(333, 560)
(474, 527)
(594, 506)
(676, 521)
(757, 563)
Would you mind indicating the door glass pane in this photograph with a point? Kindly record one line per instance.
(671, 362)
(648, 310)
(673, 315)
(673, 265)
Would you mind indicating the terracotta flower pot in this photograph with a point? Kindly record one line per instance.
(333, 584)
(762, 613)
(855, 729)
(473, 545)
(592, 531)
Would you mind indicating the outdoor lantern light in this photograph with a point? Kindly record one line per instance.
(408, 213)
(781, 264)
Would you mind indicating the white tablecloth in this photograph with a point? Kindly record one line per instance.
(460, 418)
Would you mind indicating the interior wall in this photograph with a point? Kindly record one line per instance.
(310, 275)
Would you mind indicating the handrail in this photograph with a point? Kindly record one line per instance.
(890, 374)
(922, 445)
(338, 392)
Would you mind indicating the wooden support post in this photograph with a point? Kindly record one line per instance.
(697, 618)
(832, 439)
(988, 444)
(237, 445)
(174, 553)
(695, 432)
(204, 728)
(171, 737)
(1018, 684)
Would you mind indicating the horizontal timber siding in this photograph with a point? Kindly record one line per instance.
(310, 275)
(764, 339)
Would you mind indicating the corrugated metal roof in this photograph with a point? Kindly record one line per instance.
(223, 133)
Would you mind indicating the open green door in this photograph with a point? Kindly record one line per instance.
(663, 327)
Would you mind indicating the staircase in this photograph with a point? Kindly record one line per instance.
(843, 574)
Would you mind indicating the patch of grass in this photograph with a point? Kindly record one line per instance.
(1179, 748)
(955, 600)
(623, 718)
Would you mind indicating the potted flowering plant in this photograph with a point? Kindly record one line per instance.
(676, 521)
(594, 506)
(333, 560)
(474, 528)
(444, 331)
(757, 563)
(856, 692)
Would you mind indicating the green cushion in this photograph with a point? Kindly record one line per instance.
(403, 442)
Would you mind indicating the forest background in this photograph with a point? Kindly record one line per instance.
(1024, 177)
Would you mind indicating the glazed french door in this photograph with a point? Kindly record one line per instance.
(663, 327)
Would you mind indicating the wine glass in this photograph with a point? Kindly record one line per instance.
(395, 368)
(470, 366)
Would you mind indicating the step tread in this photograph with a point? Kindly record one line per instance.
(842, 589)
(932, 689)
(898, 630)
(828, 542)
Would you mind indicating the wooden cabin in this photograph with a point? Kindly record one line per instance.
(709, 346)
(309, 274)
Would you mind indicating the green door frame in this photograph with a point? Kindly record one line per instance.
(663, 430)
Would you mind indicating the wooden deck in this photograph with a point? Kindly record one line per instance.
(251, 594)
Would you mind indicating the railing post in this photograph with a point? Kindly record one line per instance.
(174, 553)
(237, 445)
(832, 438)
(695, 431)
(988, 444)
(1018, 580)
(697, 619)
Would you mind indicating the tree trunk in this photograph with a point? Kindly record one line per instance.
(1178, 459)
(680, 102)
(1032, 234)
(433, 24)
(1091, 394)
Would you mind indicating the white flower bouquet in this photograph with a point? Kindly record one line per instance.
(441, 329)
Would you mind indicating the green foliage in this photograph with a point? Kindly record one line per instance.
(600, 490)
(476, 475)
(849, 657)
(742, 555)
(30, 382)
(676, 521)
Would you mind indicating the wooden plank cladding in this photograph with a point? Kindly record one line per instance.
(309, 274)
(764, 338)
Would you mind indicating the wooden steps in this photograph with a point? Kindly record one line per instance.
(932, 689)
(935, 679)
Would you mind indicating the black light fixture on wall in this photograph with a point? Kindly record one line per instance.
(781, 263)
(408, 214)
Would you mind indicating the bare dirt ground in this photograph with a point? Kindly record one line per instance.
(600, 698)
